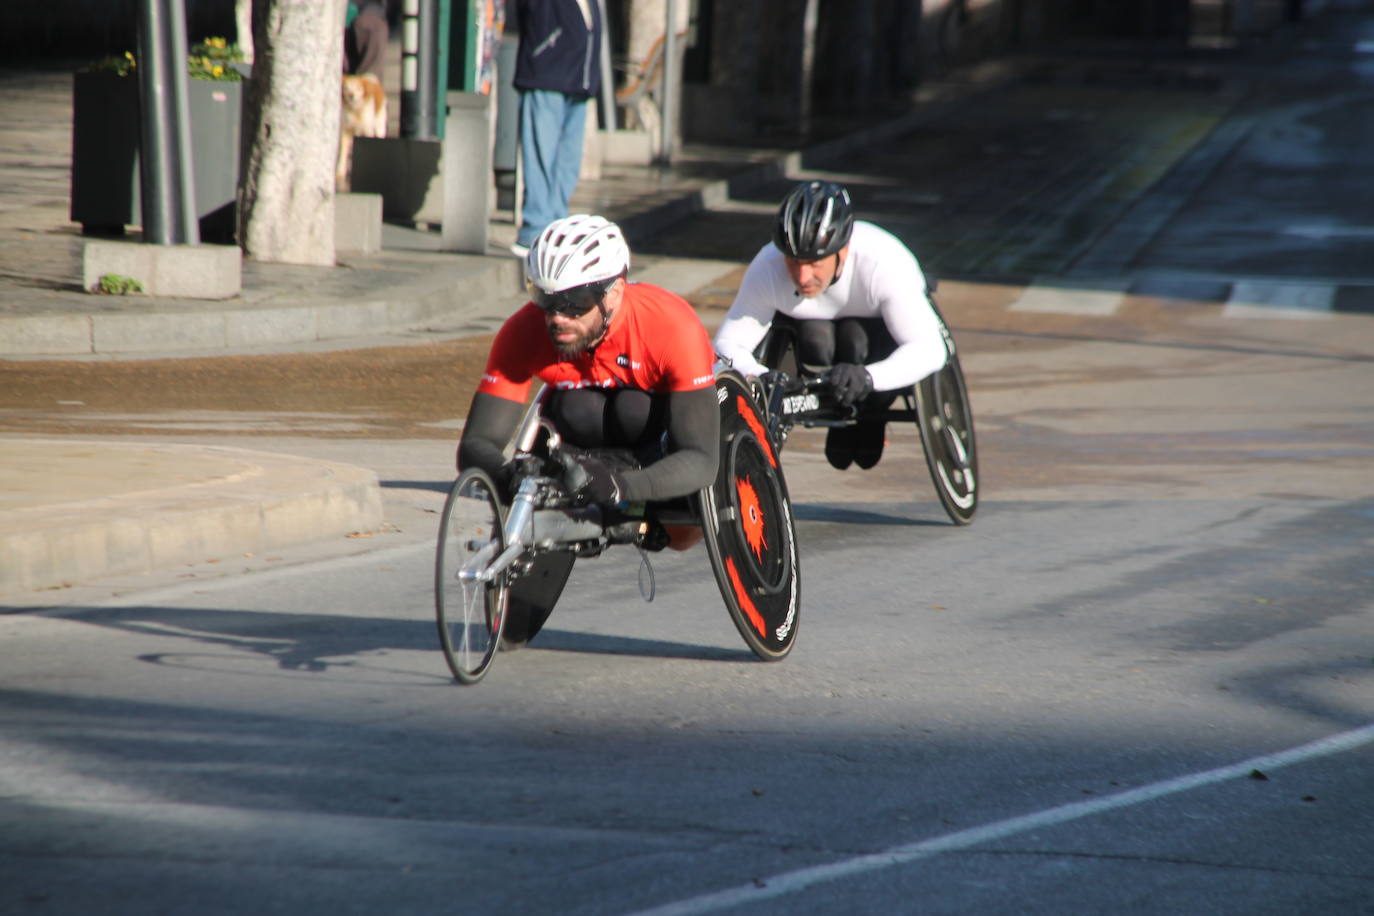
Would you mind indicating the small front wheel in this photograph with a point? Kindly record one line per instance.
(470, 607)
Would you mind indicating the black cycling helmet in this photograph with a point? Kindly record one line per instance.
(814, 221)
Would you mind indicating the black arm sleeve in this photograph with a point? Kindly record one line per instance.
(694, 449)
(490, 424)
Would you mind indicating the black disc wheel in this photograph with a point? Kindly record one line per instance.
(531, 597)
(945, 419)
(748, 527)
(470, 607)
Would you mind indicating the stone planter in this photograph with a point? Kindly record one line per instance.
(106, 133)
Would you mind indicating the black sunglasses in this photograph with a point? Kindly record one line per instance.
(575, 302)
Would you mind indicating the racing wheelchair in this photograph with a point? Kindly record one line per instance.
(500, 570)
(938, 405)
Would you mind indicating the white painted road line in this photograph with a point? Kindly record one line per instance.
(794, 881)
(1060, 300)
(1267, 299)
(1322, 232)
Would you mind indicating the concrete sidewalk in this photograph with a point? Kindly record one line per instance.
(409, 285)
(71, 510)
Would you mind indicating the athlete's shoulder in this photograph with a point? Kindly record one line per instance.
(666, 333)
(765, 279)
(879, 257)
(768, 258)
(653, 295)
(518, 328)
(872, 240)
(521, 350)
(652, 302)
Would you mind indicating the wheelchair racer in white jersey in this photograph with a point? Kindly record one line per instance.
(859, 302)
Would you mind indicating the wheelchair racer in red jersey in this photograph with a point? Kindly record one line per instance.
(859, 302)
(629, 367)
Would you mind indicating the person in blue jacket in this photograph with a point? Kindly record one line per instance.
(557, 70)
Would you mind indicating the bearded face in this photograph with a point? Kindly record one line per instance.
(574, 336)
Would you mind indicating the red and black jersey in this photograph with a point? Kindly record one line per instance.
(656, 343)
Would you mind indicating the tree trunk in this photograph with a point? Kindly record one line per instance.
(243, 28)
(291, 132)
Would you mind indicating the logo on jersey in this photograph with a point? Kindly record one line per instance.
(574, 384)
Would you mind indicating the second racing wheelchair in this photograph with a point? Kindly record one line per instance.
(500, 569)
(938, 405)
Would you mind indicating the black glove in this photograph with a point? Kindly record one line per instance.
(589, 480)
(851, 382)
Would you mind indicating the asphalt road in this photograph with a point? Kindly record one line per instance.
(1141, 682)
(1056, 709)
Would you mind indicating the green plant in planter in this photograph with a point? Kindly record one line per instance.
(218, 48)
(106, 136)
(118, 285)
(118, 66)
(210, 59)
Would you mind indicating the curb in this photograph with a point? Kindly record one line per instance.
(405, 307)
(248, 502)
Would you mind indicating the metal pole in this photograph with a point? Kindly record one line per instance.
(810, 16)
(608, 113)
(410, 63)
(168, 197)
(419, 68)
(668, 127)
(440, 41)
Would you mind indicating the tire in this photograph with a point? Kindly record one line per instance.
(471, 614)
(748, 527)
(945, 420)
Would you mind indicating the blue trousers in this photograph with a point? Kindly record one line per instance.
(551, 129)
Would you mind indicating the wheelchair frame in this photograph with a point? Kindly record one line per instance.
(938, 405)
(487, 554)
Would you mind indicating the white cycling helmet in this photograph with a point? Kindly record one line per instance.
(577, 250)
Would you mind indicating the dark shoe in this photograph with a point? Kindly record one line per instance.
(839, 446)
(869, 439)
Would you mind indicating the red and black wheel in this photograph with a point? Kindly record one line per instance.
(748, 527)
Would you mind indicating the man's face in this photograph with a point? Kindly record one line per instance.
(811, 278)
(573, 336)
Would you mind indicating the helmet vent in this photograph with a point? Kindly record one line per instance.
(577, 250)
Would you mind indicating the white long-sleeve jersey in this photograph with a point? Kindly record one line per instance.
(880, 278)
